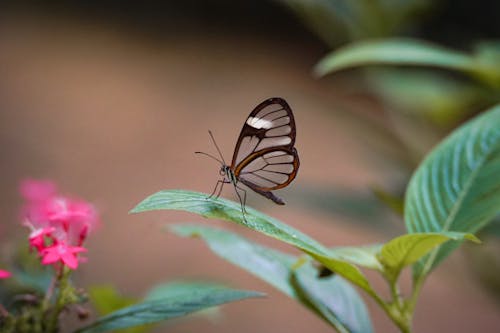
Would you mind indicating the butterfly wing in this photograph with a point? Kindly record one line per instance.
(264, 158)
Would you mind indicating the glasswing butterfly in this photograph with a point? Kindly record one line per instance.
(264, 158)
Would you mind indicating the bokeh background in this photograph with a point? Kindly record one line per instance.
(110, 99)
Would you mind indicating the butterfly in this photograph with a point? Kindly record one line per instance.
(264, 158)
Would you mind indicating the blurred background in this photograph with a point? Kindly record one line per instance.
(110, 99)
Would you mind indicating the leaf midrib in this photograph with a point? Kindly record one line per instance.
(458, 205)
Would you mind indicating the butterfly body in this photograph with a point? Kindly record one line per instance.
(264, 158)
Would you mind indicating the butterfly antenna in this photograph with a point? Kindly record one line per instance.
(216, 146)
(203, 153)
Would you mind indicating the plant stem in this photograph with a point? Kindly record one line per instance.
(63, 291)
(397, 308)
(418, 282)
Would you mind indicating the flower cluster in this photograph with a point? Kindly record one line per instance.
(4, 274)
(59, 224)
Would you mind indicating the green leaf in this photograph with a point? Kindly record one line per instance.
(425, 93)
(223, 209)
(345, 269)
(157, 310)
(410, 52)
(107, 299)
(392, 52)
(267, 264)
(456, 187)
(408, 249)
(276, 268)
(365, 256)
(335, 299)
(231, 211)
(176, 288)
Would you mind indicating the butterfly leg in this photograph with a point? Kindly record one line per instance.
(221, 182)
(242, 201)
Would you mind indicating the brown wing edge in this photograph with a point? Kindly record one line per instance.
(265, 191)
(267, 194)
(249, 129)
(251, 157)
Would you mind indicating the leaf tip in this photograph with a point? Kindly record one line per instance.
(473, 238)
(139, 208)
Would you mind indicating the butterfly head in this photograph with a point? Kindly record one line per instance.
(228, 174)
(223, 170)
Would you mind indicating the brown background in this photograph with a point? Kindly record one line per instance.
(113, 113)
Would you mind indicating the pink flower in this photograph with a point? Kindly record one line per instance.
(59, 224)
(44, 207)
(4, 274)
(38, 236)
(62, 252)
(37, 190)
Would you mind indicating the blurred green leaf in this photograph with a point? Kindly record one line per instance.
(157, 310)
(491, 229)
(324, 16)
(457, 188)
(337, 21)
(408, 249)
(276, 268)
(335, 299)
(392, 201)
(488, 51)
(354, 204)
(28, 276)
(441, 99)
(107, 299)
(410, 52)
(483, 263)
(176, 288)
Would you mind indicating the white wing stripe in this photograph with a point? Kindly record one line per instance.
(272, 115)
(259, 123)
(264, 112)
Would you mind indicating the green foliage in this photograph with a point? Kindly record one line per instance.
(456, 188)
(454, 193)
(337, 21)
(230, 211)
(411, 52)
(172, 304)
(439, 99)
(364, 256)
(332, 298)
(270, 265)
(179, 288)
(107, 299)
(223, 209)
(29, 277)
(407, 249)
(345, 269)
(335, 299)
